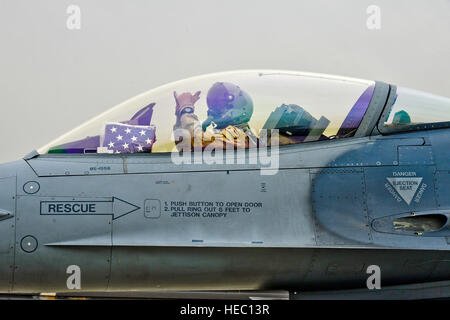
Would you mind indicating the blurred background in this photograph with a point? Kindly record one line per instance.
(53, 78)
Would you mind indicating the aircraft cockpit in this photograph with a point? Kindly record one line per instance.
(224, 107)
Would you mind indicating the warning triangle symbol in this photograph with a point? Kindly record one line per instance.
(406, 187)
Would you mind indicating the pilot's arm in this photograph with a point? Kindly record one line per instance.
(187, 123)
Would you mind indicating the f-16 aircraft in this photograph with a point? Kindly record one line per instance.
(245, 180)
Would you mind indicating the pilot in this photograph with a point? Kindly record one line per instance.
(226, 127)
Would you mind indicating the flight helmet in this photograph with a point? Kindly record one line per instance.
(227, 105)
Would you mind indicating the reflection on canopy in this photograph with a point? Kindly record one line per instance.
(413, 107)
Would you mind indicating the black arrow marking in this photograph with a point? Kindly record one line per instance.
(115, 207)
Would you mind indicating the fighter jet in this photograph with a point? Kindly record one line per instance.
(245, 180)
